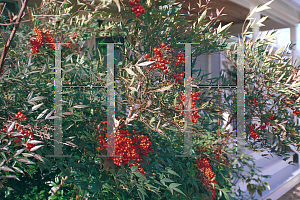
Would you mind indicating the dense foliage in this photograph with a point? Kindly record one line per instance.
(150, 108)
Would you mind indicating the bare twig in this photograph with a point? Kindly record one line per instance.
(13, 32)
(3, 8)
(60, 185)
(3, 36)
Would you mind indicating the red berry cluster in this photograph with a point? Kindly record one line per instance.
(130, 147)
(290, 102)
(21, 116)
(178, 77)
(254, 128)
(159, 60)
(254, 102)
(39, 40)
(195, 97)
(253, 132)
(24, 133)
(203, 165)
(138, 9)
(181, 59)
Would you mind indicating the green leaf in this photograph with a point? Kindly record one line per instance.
(227, 26)
(138, 174)
(167, 180)
(226, 196)
(204, 105)
(174, 185)
(178, 190)
(267, 184)
(259, 193)
(172, 172)
(107, 186)
(152, 120)
(202, 16)
(134, 168)
(53, 197)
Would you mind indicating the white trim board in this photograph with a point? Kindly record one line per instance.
(285, 187)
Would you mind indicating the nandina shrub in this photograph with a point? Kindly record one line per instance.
(150, 87)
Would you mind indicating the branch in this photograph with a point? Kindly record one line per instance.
(13, 32)
(60, 185)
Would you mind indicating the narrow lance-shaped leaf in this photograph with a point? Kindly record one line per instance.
(129, 71)
(49, 114)
(36, 147)
(5, 168)
(139, 70)
(162, 89)
(11, 127)
(24, 160)
(37, 156)
(36, 107)
(145, 63)
(80, 106)
(37, 98)
(42, 114)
